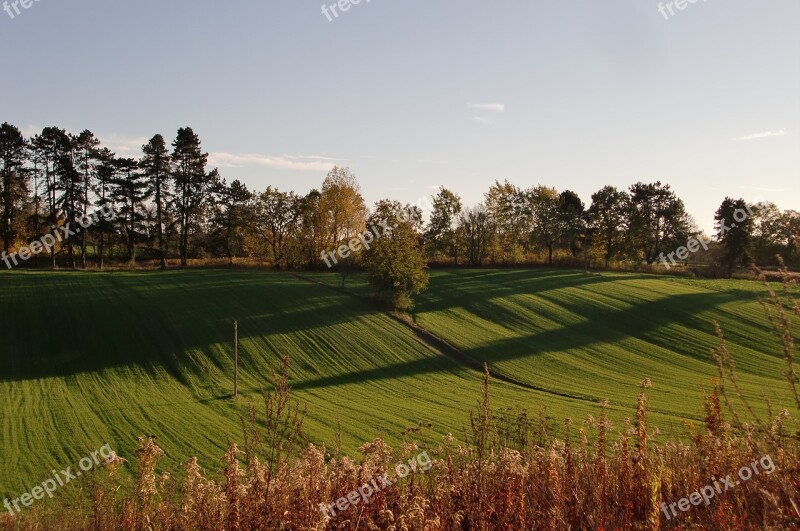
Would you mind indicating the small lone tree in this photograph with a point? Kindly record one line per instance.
(395, 260)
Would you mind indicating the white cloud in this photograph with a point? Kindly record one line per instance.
(482, 120)
(123, 145)
(30, 130)
(313, 157)
(232, 160)
(762, 189)
(492, 107)
(765, 134)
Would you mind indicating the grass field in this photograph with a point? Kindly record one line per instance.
(95, 358)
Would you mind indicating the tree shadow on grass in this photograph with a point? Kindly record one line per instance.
(61, 324)
(635, 321)
(454, 288)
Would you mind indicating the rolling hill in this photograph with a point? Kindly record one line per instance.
(95, 358)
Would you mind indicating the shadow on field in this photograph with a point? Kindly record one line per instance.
(472, 285)
(57, 324)
(387, 372)
(600, 326)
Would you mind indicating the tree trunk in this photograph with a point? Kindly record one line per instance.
(160, 223)
(85, 213)
(102, 249)
(184, 246)
(7, 214)
(52, 199)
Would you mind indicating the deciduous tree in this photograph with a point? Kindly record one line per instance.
(735, 227)
(658, 222)
(607, 216)
(543, 209)
(235, 212)
(440, 235)
(475, 226)
(395, 261)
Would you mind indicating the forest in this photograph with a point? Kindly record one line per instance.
(172, 208)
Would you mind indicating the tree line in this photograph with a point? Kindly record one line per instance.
(170, 205)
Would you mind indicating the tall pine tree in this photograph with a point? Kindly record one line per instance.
(86, 147)
(191, 185)
(156, 168)
(13, 181)
(52, 151)
(130, 192)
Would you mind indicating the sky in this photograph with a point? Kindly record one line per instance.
(416, 94)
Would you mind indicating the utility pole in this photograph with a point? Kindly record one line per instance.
(236, 359)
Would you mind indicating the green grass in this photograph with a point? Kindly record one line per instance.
(95, 358)
(597, 336)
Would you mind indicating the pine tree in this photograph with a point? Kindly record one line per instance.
(106, 175)
(51, 150)
(14, 179)
(86, 145)
(68, 183)
(129, 192)
(191, 185)
(156, 168)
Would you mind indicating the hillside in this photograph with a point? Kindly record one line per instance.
(95, 358)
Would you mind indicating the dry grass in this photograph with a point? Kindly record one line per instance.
(508, 473)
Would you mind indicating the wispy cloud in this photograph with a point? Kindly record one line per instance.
(30, 130)
(765, 134)
(762, 189)
(126, 146)
(314, 157)
(307, 163)
(123, 146)
(482, 120)
(491, 107)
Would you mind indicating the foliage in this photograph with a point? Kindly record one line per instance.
(735, 232)
(441, 236)
(658, 220)
(13, 182)
(607, 215)
(192, 185)
(395, 260)
(181, 213)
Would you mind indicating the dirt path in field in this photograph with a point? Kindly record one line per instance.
(442, 347)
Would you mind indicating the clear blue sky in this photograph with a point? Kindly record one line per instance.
(413, 94)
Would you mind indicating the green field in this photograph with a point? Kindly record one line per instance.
(95, 358)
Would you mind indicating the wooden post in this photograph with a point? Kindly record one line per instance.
(236, 359)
